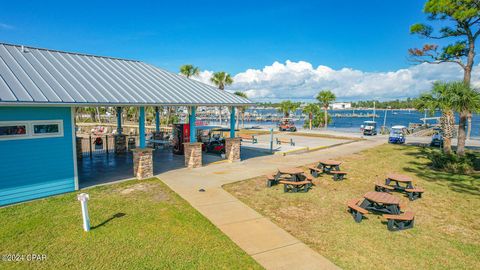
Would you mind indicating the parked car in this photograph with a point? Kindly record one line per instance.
(369, 128)
(287, 124)
(397, 134)
(437, 138)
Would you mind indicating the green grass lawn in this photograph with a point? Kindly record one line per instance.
(447, 225)
(135, 225)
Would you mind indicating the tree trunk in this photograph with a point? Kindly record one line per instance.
(310, 116)
(470, 59)
(326, 118)
(461, 133)
(447, 123)
(469, 125)
(447, 145)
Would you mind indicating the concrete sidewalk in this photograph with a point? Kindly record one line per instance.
(267, 243)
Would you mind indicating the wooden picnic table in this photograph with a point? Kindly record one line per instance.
(329, 164)
(381, 202)
(399, 178)
(293, 172)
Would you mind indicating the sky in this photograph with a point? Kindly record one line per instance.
(274, 50)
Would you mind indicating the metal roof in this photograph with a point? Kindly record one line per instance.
(40, 76)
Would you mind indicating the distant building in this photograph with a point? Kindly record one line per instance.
(341, 105)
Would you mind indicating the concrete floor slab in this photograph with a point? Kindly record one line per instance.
(258, 235)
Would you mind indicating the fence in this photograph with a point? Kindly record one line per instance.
(104, 144)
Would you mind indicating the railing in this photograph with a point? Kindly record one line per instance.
(104, 144)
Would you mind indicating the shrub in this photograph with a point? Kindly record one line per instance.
(453, 163)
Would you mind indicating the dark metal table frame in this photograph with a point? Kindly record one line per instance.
(326, 167)
(294, 177)
(397, 185)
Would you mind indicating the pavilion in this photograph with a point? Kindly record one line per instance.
(39, 91)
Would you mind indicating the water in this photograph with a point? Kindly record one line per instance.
(350, 124)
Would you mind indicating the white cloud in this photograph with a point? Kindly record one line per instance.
(6, 26)
(300, 80)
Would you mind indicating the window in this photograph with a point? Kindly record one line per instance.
(13, 130)
(31, 129)
(40, 129)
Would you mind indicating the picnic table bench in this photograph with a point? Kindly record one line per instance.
(295, 186)
(357, 212)
(414, 193)
(315, 171)
(249, 138)
(380, 187)
(289, 174)
(271, 180)
(338, 175)
(290, 141)
(381, 202)
(400, 222)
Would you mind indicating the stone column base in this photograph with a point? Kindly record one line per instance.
(193, 154)
(142, 163)
(78, 144)
(120, 144)
(232, 149)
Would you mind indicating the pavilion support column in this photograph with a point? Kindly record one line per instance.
(142, 156)
(157, 135)
(120, 140)
(193, 149)
(232, 144)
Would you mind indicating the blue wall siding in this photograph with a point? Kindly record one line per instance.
(35, 168)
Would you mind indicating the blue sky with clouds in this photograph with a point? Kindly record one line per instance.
(370, 37)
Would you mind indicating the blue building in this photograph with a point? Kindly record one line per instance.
(39, 91)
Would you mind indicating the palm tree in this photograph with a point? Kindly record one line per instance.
(288, 106)
(189, 70)
(440, 98)
(221, 79)
(311, 109)
(243, 108)
(325, 97)
(465, 100)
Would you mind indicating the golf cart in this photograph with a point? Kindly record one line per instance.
(216, 142)
(397, 134)
(287, 124)
(437, 138)
(369, 128)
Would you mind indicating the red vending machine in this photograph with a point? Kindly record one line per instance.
(181, 134)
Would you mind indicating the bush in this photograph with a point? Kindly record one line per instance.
(453, 163)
